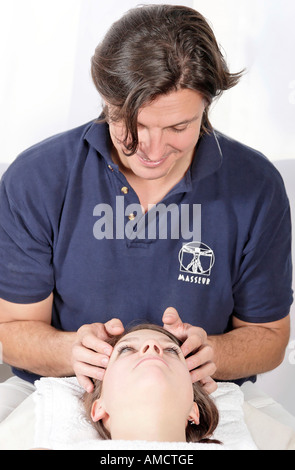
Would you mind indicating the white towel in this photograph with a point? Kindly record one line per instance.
(61, 422)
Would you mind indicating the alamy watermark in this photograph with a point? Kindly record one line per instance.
(161, 221)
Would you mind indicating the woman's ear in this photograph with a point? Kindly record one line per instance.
(194, 415)
(97, 411)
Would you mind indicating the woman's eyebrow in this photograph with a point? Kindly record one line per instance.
(166, 339)
(130, 338)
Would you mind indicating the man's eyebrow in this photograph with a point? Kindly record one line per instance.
(186, 121)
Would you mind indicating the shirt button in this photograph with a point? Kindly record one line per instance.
(110, 167)
(131, 216)
(124, 190)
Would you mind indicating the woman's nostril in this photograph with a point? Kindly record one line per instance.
(151, 347)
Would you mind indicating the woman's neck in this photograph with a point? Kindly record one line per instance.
(156, 427)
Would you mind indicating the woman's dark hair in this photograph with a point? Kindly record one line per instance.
(209, 415)
(154, 50)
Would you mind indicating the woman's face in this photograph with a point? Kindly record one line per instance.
(147, 369)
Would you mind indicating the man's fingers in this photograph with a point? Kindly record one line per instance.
(209, 385)
(86, 372)
(94, 337)
(204, 354)
(93, 343)
(201, 364)
(192, 343)
(88, 356)
(173, 323)
(206, 370)
(171, 317)
(114, 327)
(90, 371)
(85, 383)
(91, 351)
(200, 361)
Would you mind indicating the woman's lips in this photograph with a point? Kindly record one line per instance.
(151, 358)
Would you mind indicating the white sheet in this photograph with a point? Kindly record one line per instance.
(268, 431)
(61, 424)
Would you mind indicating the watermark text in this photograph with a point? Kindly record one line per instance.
(160, 222)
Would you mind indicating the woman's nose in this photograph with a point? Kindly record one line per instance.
(151, 347)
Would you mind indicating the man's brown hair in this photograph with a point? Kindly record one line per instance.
(154, 50)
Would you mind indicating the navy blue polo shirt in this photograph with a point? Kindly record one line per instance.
(219, 244)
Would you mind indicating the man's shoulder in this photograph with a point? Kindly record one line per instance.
(50, 159)
(43, 170)
(61, 147)
(247, 164)
(239, 153)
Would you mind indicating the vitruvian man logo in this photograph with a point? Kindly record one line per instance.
(196, 258)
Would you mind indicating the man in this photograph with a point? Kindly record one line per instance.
(147, 214)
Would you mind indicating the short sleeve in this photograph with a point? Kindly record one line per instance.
(26, 274)
(263, 291)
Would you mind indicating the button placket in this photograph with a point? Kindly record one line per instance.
(131, 216)
(125, 191)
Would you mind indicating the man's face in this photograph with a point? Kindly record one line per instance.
(168, 131)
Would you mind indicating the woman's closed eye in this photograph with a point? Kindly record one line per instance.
(173, 350)
(125, 348)
(128, 348)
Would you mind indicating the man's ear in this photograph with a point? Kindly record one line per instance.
(194, 414)
(97, 411)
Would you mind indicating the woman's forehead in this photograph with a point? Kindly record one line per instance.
(146, 334)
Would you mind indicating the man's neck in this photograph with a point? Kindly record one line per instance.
(152, 191)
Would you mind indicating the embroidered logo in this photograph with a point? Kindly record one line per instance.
(196, 260)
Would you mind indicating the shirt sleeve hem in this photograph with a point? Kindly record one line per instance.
(259, 319)
(23, 299)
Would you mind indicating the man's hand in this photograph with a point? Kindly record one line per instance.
(200, 362)
(91, 352)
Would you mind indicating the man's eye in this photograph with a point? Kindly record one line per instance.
(178, 130)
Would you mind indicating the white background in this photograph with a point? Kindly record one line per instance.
(46, 88)
(45, 84)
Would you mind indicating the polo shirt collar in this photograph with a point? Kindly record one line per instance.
(98, 136)
(208, 156)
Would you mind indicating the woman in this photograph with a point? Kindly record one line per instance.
(147, 393)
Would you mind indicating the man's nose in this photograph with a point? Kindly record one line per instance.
(153, 145)
(151, 347)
